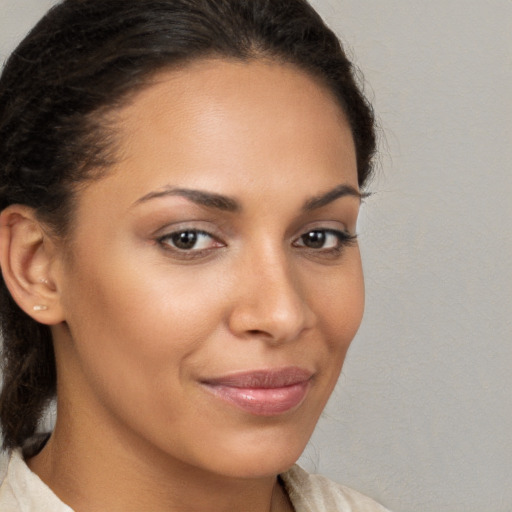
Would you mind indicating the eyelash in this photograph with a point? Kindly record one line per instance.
(166, 240)
(343, 240)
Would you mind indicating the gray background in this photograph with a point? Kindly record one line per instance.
(422, 417)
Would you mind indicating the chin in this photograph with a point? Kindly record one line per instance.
(262, 456)
(263, 465)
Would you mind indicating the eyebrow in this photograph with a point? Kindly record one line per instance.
(229, 204)
(324, 199)
(199, 197)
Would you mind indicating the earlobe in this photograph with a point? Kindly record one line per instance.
(27, 258)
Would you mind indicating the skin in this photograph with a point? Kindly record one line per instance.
(140, 324)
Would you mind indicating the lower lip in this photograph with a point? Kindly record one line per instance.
(262, 401)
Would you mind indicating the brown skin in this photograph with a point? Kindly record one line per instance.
(138, 324)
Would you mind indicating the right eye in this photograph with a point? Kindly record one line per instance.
(189, 240)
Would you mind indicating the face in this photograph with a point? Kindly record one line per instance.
(213, 284)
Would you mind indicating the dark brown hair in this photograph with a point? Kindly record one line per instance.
(80, 62)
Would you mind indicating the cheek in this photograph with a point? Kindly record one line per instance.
(138, 326)
(338, 300)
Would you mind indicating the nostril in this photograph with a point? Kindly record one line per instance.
(275, 312)
(257, 332)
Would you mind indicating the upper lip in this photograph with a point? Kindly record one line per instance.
(262, 379)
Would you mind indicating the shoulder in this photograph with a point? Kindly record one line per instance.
(8, 500)
(23, 491)
(316, 493)
(4, 462)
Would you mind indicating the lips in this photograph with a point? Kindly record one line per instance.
(262, 392)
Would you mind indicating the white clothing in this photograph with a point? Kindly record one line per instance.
(21, 490)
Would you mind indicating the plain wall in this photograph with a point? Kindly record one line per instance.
(422, 417)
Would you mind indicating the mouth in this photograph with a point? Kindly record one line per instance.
(263, 392)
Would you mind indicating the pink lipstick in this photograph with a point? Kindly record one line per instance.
(263, 392)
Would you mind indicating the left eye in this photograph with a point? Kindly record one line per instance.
(189, 240)
(323, 239)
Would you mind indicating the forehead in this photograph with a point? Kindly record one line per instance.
(224, 125)
(213, 100)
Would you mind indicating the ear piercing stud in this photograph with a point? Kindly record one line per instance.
(41, 307)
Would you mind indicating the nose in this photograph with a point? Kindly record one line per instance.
(269, 301)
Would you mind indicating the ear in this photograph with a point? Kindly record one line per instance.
(28, 259)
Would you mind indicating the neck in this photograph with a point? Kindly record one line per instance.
(109, 472)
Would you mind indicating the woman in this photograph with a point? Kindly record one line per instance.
(181, 181)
